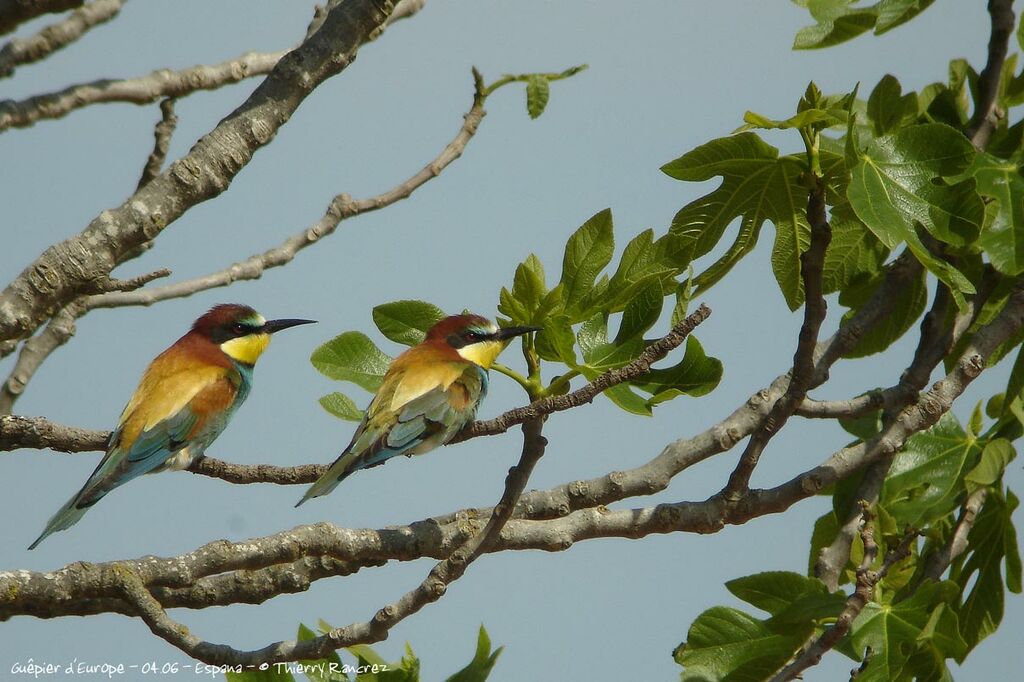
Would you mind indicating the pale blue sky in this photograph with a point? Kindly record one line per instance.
(663, 78)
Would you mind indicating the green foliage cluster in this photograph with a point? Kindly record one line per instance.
(366, 665)
(912, 625)
(574, 315)
(898, 173)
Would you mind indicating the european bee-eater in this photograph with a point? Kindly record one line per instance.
(429, 393)
(185, 399)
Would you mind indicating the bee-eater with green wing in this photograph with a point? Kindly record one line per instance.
(187, 396)
(429, 393)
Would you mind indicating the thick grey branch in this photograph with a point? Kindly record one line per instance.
(16, 12)
(73, 267)
(142, 90)
(439, 537)
(60, 329)
(376, 629)
(56, 36)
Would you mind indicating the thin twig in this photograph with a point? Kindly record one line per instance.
(157, 85)
(54, 37)
(937, 563)
(35, 351)
(803, 372)
(867, 579)
(341, 207)
(162, 133)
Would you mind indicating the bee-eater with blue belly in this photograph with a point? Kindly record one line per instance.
(185, 399)
(429, 393)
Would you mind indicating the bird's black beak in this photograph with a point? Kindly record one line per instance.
(512, 332)
(271, 326)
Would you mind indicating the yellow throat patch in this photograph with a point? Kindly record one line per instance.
(246, 349)
(483, 353)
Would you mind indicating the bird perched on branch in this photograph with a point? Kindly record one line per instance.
(429, 393)
(187, 396)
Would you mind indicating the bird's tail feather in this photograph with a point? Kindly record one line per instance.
(346, 465)
(66, 516)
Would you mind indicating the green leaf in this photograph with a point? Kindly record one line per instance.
(776, 591)
(528, 285)
(893, 13)
(925, 479)
(352, 356)
(556, 341)
(642, 311)
(406, 322)
(837, 23)
(910, 304)
(991, 542)
(537, 93)
(814, 118)
(746, 240)
(891, 632)
(854, 254)
(826, 527)
(896, 185)
(1003, 235)
(888, 107)
(994, 458)
(326, 669)
(864, 427)
(341, 406)
(587, 252)
(727, 644)
(757, 185)
(599, 356)
(483, 661)
(695, 375)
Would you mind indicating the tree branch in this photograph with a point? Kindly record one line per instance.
(16, 12)
(56, 36)
(802, 374)
(937, 563)
(867, 579)
(18, 432)
(147, 89)
(430, 590)
(986, 115)
(50, 594)
(72, 267)
(162, 133)
(60, 329)
(340, 208)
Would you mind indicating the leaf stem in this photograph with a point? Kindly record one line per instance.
(561, 382)
(524, 77)
(528, 385)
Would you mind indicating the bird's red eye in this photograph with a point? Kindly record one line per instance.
(238, 328)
